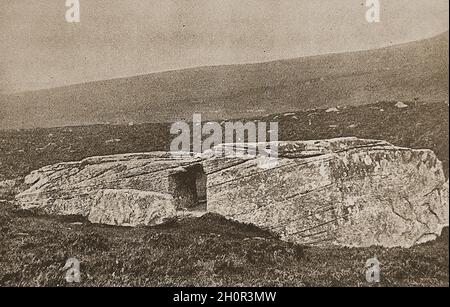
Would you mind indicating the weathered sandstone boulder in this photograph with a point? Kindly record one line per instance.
(346, 191)
(88, 186)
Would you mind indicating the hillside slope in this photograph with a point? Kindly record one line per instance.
(417, 70)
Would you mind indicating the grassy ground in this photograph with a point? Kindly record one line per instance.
(209, 251)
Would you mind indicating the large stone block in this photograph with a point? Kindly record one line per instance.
(346, 191)
(71, 188)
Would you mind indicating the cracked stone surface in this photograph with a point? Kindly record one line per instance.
(346, 191)
(131, 208)
(72, 188)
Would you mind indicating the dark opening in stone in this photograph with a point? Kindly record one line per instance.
(188, 188)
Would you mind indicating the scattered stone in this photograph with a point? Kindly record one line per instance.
(401, 105)
(113, 141)
(332, 110)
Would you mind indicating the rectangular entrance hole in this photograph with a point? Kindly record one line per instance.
(188, 188)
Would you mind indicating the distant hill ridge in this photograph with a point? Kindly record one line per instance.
(417, 70)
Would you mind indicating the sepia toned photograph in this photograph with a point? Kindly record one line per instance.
(223, 151)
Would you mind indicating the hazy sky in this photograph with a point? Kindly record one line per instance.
(116, 38)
